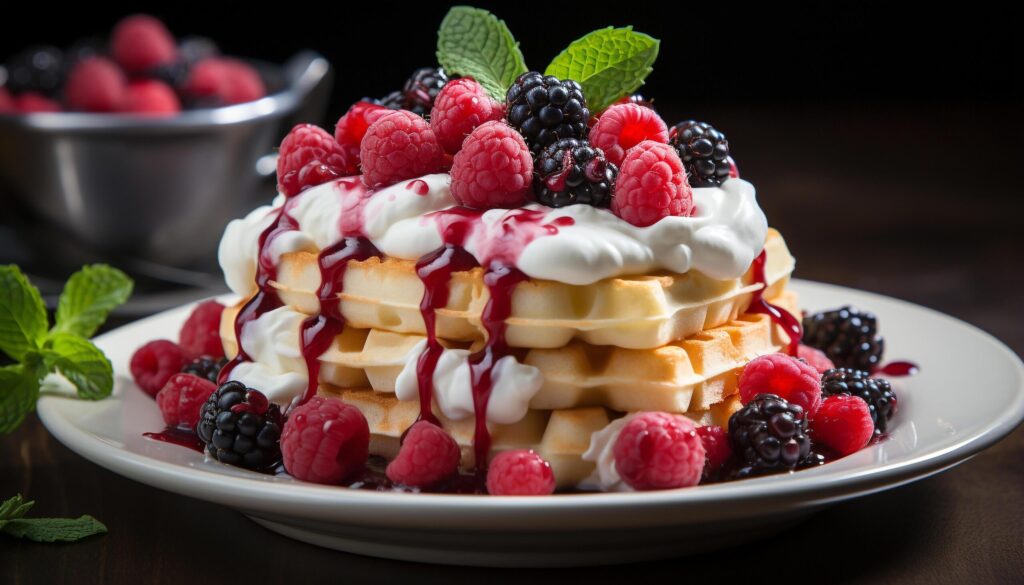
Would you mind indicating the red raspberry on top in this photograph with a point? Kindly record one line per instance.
(734, 171)
(815, 357)
(652, 184)
(397, 147)
(325, 441)
(716, 448)
(200, 334)
(494, 168)
(843, 423)
(657, 450)
(31, 102)
(786, 377)
(427, 456)
(140, 42)
(224, 81)
(351, 129)
(623, 126)
(181, 398)
(95, 84)
(154, 363)
(520, 473)
(309, 156)
(461, 106)
(152, 98)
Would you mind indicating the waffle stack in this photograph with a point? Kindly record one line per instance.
(659, 342)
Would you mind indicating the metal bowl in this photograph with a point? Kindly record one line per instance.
(157, 189)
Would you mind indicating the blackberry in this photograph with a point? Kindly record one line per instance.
(422, 87)
(205, 367)
(769, 435)
(545, 109)
(704, 152)
(241, 427)
(38, 69)
(195, 49)
(174, 74)
(877, 392)
(394, 100)
(572, 171)
(847, 336)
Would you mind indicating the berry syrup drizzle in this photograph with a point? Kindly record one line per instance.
(181, 437)
(778, 315)
(897, 369)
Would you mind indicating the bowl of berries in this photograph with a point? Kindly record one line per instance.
(126, 144)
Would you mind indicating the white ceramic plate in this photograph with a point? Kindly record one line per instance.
(969, 394)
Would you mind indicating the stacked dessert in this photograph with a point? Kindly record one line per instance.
(477, 279)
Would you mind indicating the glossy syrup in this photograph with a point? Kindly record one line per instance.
(175, 436)
(897, 369)
(778, 315)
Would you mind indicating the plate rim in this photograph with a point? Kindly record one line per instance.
(306, 499)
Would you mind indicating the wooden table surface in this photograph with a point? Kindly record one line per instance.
(921, 202)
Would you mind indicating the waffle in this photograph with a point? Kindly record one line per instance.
(684, 376)
(559, 436)
(637, 312)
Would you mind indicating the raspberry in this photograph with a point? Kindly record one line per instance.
(460, 107)
(703, 150)
(815, 357)
(154, 363)
(325, 441)
(623, 126)
(520, 473)
(181, 398)
(200, 335)
(651, 185)
(843, 423)
(309, 156)
(140, 43)
(224, 81)
(493, 169)
(151, 97)
(31, 102)
(241, 427)
(716, 448)
(397, 147)
(786, 377)
(734, 171)
(352, 127)
(95, 85)
(657, 450)
(428, 455)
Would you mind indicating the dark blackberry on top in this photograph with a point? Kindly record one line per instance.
(545, 109)
(572, 171)
(205, 367)
(394, 100)
(241, 427)
(422, 87)
(877, 392)
(38, 69)
(769, 435)
(848, 337)
(704, 152)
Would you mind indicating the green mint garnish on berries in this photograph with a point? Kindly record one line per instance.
(474, 43)
(14, 523)
(608, 63)
(26, 337)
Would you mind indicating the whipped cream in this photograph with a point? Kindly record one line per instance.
(277, 367)
(406, 221)
(601, 452)
(514, 385)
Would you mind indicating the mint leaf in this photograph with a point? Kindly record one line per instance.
(608, 63)
(13, 509)
(22, 314)
(82, 363)
(88, 298)
(474, 43)
(54, 529)
(19, 389)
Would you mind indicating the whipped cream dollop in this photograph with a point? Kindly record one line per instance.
(514, 385)
(277, 367)
(578, 244)
(601, 452)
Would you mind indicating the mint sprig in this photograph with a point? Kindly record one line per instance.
(14, 523)
(608, 63)
(87, 299)
(474, 43)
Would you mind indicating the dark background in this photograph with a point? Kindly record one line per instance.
(885, 143)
